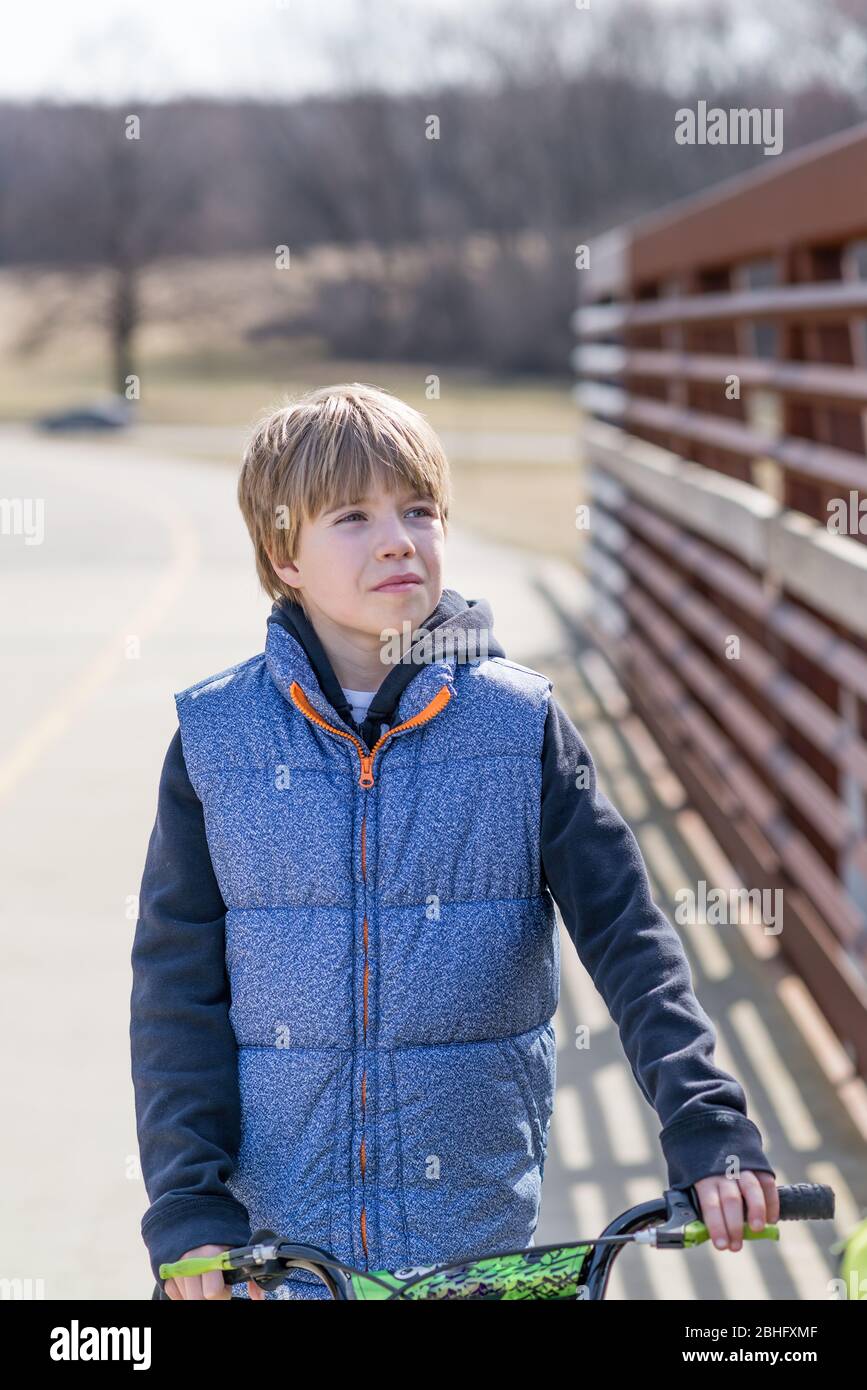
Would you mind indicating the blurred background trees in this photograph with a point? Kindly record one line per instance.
(412, 248)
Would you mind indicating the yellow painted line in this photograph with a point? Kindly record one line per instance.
(185, 550)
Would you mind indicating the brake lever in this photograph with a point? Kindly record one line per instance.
(261, 1250)
(682, 1207)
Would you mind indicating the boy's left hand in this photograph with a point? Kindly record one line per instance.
(722, 1209)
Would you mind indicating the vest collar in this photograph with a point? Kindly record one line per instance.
(287, 661)
(454, 615)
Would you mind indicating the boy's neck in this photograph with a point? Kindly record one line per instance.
(356, 657)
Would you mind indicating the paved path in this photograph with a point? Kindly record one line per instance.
(143, 583)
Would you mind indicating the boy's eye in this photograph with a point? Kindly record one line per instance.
(429, 511)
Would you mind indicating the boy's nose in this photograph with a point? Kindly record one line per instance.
(395, 547)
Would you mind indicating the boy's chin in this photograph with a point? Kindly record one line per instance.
(393, 610)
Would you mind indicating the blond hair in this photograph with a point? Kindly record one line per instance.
(324, 448)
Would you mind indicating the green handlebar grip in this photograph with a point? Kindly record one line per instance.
(696, 1233)
(196, 1264)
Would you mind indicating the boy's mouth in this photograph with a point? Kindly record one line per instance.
(399, 584)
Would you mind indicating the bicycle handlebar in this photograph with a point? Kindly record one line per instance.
(673, 1221)
(806, 1201)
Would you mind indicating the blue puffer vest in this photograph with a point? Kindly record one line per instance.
(392, 952)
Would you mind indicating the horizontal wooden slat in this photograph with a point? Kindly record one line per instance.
(820, 725)
(796, 852)
(841, 385)
(837, 657)
(807, 941)
(836, 466)
(748, 727)
(828, 300)
(827, 571)
(733, 514)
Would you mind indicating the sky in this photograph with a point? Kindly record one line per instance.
(105, 50)
(160, 49)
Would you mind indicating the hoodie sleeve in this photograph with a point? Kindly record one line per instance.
(183, 1049)
(635, 957)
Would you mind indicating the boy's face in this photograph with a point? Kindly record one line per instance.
(345, 554)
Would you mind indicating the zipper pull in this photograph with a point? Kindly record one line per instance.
(366, 778)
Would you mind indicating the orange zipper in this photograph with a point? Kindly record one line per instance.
(439, 702)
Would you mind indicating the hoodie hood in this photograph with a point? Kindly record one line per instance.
(463, 623)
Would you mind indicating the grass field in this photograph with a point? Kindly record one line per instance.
(197, 368)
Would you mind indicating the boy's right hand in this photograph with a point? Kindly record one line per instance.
(208, 1285)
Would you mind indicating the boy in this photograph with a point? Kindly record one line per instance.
(347, 960)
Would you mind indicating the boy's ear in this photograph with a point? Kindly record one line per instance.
(287, 572)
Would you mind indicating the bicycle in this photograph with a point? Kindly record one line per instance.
(577, 1270)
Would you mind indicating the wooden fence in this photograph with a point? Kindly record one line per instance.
(722, 372)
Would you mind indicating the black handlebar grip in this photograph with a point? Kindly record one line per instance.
(806, 1201)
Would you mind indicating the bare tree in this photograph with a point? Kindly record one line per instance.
(552, 123)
